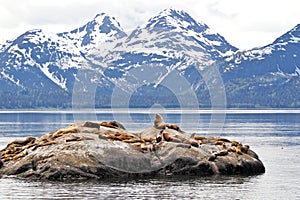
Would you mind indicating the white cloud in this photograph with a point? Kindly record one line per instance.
(245, 24)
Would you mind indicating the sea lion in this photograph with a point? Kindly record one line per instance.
(146, 139)
(238, 150)
(182, 145)
(194, 144)
(72, 138)
(219, 143)
(91, 125)
(167, 137)
(159, 122)
(231, 149)
(158, 138)
(22, 142)
(235, 143)
(172, 126)
(20, 155)
(245, 148)
(120, 136)
(44, 138)
(199, 137)
(41, 144)
(132, 140)
(6, 158)
(113, 124)
(223, 140)
(12, 153)
(104, 137)
(221, 153)
(212, 157)
(63, 131)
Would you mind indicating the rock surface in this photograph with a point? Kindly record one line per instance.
(101, 150)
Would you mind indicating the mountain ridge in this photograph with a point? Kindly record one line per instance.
(171, 42)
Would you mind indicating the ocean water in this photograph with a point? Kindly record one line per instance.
(273, 135)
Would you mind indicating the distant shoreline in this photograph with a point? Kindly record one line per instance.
(153, 111)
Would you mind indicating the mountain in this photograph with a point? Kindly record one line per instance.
(268, 75)
(171, 60)
(178, 31)
(101, 29)
(39, 62)
(280, 57)
(167, 45)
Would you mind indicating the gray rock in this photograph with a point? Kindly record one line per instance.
(97, 150)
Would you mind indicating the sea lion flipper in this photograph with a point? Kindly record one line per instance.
(158, 121)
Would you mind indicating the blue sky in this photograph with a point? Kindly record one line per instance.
(245, 24)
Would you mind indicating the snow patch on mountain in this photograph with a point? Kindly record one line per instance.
(61, 82)
(11, 79)
(287, 75)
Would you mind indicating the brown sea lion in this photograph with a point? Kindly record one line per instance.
(167, 137)
(63, 131)
(20, 155)
(146, 139)
(231, 149)
(173, 126)
(223, 140)
(235, 143)
(133, 140)
(245, 148)
(120, 136)
(221, 153)
(238, 149)
(22, 142)
(159, 122)
(219, 143)
(113, 124)
(199, 137)
(194, 144)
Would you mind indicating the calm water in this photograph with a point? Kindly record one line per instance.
(275, 136)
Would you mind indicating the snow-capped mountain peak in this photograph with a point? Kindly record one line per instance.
(174, 19)
(102, 28)
(183, 34)
(103, 23)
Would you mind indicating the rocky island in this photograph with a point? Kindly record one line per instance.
(99, 150)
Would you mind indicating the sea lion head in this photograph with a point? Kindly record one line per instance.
(159, 121)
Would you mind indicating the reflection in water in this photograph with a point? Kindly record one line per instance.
(175, 187)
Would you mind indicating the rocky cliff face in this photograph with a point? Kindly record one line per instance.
(99, 150)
